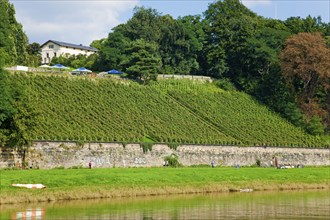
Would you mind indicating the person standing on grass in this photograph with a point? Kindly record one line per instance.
(90, 164)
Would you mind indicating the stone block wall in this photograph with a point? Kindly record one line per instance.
(46, 155)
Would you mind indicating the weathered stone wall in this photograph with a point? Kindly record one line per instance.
(69, 154)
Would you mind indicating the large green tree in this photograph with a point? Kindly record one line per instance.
(7, 43)
(7, 108)
(230, 25)
(178, 46)
(144, 61)
(13, 40)
(112, 50)
(145, 24)
(178, 41)
(260, 59)
(17, 115)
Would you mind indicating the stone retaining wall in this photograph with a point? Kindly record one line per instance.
(48, 155)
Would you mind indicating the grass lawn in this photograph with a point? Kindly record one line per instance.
(68, 184)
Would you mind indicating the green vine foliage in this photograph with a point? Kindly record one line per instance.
(146, 146)
(238, 115)
(170, 111)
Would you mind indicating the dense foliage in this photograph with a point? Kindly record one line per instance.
(256, 55)
(76, 61)
(14, 47)
(13, 40)
(238, 115)
(122, 111)
(66, 108)
(306, 68)
(230, 42)
(17, 115)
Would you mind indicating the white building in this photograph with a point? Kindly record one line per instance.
(54, 48)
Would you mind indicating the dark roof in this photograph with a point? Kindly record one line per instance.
(63, 44)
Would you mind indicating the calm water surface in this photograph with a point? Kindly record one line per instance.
(252, 205)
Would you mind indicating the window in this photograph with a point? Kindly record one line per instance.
(54, 54)
(51, 46)
(47, 55)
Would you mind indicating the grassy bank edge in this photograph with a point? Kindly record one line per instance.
(83, 192)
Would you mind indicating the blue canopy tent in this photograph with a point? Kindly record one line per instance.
(59, 66)
(81, 70)
(113, 71)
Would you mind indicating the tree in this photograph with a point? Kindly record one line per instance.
(17, 115)
(7, 109)
(7, 44)
(97, 43)
(143, 62)
(178, 46)
(33, 49)
(196, 25)
(230, 25)
(13, 40)
(305, 63)
(309, 24)
(145, 24)
(274, 24)
(112, 50)
(260, 60)
(34, 58)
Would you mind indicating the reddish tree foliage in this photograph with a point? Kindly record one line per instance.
(305, 63)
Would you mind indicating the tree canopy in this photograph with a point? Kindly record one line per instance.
(305, 62)
(143, 62)
(13, 40)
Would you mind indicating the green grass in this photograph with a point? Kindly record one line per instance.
(99, 183)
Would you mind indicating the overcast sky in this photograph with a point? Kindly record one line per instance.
(81, 22)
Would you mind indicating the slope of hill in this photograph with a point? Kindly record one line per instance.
(80, 109)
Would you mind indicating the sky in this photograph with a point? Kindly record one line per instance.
(82, 21)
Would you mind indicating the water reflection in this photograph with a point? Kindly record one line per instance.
(29, 214)
(255, 205)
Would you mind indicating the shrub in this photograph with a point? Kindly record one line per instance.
(315, 126)
(173, 145)
(225, 84)
(146, 146)
(258, 163)
(173, 160)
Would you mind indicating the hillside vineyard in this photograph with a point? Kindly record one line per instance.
(168, 111)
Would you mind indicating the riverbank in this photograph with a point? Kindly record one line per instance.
(73, 184)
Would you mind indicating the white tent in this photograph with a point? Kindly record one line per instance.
(44, 66)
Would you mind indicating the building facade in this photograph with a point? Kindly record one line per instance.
(53, 48)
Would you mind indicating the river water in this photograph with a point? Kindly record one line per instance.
(242, 205)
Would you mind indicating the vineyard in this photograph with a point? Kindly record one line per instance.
(171, 111)
(238, 115)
